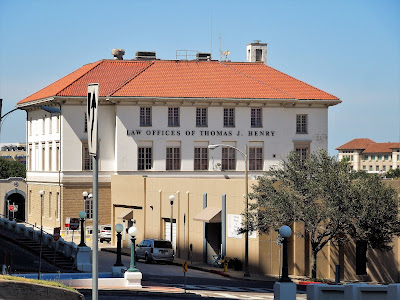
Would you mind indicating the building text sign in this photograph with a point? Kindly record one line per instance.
(199, 133)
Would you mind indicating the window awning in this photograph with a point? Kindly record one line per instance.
(209, 215)
(126, 215)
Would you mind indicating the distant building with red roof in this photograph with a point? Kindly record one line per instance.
(365, 154)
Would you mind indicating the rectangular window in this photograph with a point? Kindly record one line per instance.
(372, 157)
(255, 158)
(228, 158)
(51, 124)
(229, 117)
(58, 156)
(58, 124)
(57, 206)
(364, 167)
(200, 158)
(365, 157)
(384, 168)
(85, 123)
(256, 117)
(30, 157)
(50, 156)
(303, 153)
(377, 168)
(50, 196)
(44, 125)
(379, 157)
(30, 202)
(173, 116)
(386, 157)
(173, 159)
(301, 123)
(43, 156)
(30, 126)
(370, 168)
(42, 206)
(201, 117)
(145, 116)
(144, 158)
(89, 207)
(87, 159)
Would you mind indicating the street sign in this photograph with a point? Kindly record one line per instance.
(15, 208)
(56, 233)
(74, 224)
(67, 220)
(11, 207)
(185, 266)
(92, 105)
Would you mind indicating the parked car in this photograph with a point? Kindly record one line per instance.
(155, 250)
(105, 233)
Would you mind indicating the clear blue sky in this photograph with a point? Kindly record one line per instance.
(348, 48)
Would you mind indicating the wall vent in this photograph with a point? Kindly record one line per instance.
(144, 55)
(203, 56)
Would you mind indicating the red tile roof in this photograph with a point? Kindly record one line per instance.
(356, 144)
(381, 147)
(181, 79)
(369, 146)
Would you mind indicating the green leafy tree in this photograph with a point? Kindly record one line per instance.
(311, 192)
(11, 169)
(373, 212)
(393, 173)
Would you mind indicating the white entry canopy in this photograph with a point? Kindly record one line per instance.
(209, 215)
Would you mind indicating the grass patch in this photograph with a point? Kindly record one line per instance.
(36, 281)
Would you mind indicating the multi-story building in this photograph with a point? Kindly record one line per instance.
(365, 154)
(13, 152)
(156, 121)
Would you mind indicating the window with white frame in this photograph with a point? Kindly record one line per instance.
(256, 160)
(145, 158)
(87, 162)
(201, 117)
(85, 123)
(173, 116)
(30, 154)
(228, 158)
(49, 206)
(302, 148)
(256, 120)
(89, 207)
(50, 160)
(145, 116)
(301, 123)
(58, 156)
(57, 206)
(44, 125)
(173, 158)
(43, 156)
(51, 124)
(229, 117)
(200, 158)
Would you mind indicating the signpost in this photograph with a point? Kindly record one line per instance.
(73, 225)
(92, 106)
(185, 268)
(56, 237)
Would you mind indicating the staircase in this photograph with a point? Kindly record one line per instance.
(55, 258)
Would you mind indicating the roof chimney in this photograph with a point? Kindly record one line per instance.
(257, 52)
(118, 53)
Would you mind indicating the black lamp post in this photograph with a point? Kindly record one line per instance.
(118, 228)
(285, 232)
(171, 201)
(82, 215)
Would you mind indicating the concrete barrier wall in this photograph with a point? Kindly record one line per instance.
(353, 292)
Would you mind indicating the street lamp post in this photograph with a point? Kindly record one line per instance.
(118, 228)
(171, 199)
(285, 232)
(246, 181)
(133, 231)
(41, 193)
(82, 216)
